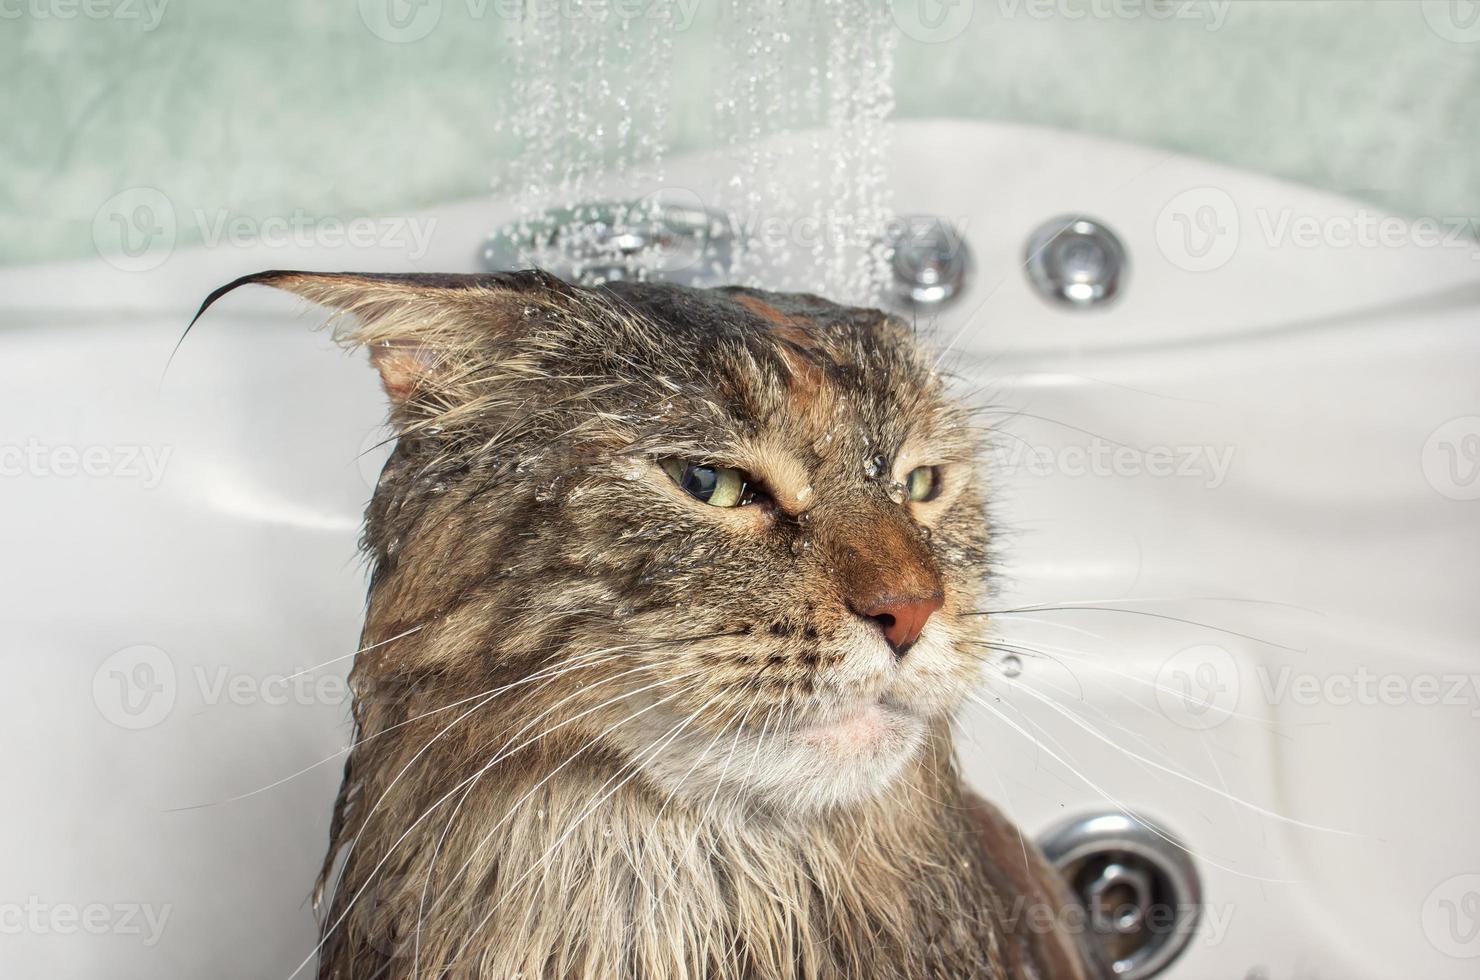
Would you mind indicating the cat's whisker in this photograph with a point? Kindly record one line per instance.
(549, 673)
(370, 878)
(725, 769)
(1101, 664)
(714, 741)
(1009, 647)
(1100, 736)
(431, 868)
(1123, 808)
(1095, 607)
(1064, 627)
(366, 819)
(1006, 797)
(364, 822)
(374, 646)
(589, 743)
(635, 766)
(1099, 711)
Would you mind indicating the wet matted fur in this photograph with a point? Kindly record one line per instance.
(605, 730)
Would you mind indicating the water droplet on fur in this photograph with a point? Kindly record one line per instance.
(874, 466)
(1012, 666)
(925, 533)
(897, 492)
(800, 546)
(392, 546)
(622, 611)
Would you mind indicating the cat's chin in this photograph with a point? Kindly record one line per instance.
(846, 756)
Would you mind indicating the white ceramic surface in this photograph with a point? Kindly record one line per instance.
(1286, 678)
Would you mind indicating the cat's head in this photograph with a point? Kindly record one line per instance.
(735, 538)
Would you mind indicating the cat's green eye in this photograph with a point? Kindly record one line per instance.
(717, 486)
(923, 483)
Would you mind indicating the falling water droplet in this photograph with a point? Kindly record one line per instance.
(1012, 666)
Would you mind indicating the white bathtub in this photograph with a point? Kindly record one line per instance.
(177, 548)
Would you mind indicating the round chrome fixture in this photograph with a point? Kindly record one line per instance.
(607, 241)
(1075, 260)
(929, 259)
(1138, 886)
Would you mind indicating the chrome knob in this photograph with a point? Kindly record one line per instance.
(1137, 884)
(608, 241)
(1075, 260)
(1119, 898)
(929, 259)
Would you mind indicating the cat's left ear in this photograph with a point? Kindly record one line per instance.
(420, 328)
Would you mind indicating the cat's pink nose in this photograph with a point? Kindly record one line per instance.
(901, 618)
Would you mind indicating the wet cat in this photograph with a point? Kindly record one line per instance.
(674, 594)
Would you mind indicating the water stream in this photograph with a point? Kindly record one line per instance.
(800, 94)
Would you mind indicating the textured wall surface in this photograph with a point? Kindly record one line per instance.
(328, 108)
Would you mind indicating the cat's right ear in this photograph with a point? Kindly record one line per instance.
(421, 329)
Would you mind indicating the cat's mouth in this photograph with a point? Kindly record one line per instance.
(861, 728)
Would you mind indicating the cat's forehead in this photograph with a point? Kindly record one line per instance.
(796, 370)
(796, 355)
